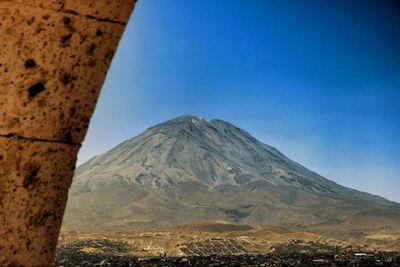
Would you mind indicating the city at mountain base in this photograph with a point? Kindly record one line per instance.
(193, 192)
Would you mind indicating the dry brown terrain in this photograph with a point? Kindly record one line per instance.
(221, 238)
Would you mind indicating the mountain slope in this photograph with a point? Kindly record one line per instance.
(191, 169)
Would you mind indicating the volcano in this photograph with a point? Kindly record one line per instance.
(192, 169)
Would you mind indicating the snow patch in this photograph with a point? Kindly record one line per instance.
(195, 122)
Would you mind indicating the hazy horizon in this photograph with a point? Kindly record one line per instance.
(319, 81)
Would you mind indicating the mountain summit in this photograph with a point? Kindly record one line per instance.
(192, 169)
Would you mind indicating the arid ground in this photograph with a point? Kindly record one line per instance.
(223, 244)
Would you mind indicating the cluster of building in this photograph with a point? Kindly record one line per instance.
(390, 259)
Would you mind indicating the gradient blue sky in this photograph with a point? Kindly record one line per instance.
(319, 80)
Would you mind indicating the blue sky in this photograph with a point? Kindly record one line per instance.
(319, 80)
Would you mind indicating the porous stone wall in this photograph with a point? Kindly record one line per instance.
(54, 55)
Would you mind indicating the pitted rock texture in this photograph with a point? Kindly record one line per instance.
(52, 68)
(53, 62)
(118, 11)
(52, 4)
(106, 10)
(35, 178)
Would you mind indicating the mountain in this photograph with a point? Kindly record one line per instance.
(191, 169)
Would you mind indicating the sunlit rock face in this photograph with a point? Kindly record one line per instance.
(53, 60)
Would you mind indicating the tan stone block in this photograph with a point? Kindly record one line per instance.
(34, 178)
(51, 4)
(51, 70)
(102, 9)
